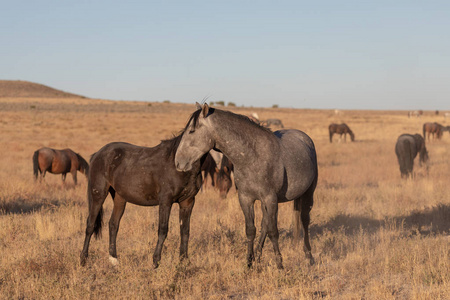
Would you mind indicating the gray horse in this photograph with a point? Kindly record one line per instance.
(406, 149)
(272, 167)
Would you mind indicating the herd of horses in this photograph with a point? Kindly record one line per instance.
(177, 169)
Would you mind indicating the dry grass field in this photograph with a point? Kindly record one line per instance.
(374, 235)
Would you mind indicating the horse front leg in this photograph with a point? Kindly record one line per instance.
(271, 203)
(263, 236)
(185, 219)
(163, 228)
(74, 176)
(114, 222)
(250, 229)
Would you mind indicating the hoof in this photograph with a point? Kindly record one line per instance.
(114, 261)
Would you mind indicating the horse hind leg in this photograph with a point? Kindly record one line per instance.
(263, 235)
(271, 204)
(114, 221)
(97, 192)
(302, 208)
(250, 229)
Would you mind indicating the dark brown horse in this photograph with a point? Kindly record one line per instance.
(208, 171)
(58, 162)
(223, 178)
(406, 149)
(341, 129)
(142, 176)
(434, 129)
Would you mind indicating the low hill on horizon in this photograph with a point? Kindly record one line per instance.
(19, 88)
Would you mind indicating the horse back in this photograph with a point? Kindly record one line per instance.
(142, 174)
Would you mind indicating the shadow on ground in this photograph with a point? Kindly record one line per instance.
(25, 206)
(429, 221)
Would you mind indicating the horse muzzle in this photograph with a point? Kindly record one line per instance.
(183, 167)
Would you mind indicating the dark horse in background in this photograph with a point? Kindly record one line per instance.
(272, 167)
(208, 170)
(223, 177)
(142, 176)
(406, 149)
(434, 129)
(58, 162)
(341, 129)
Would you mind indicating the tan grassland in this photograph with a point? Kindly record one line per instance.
(374, 236)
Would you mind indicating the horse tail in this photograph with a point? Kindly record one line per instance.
(98, 224)
(99, 219)
(36, 164)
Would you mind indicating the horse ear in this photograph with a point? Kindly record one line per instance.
(198, 105)
(216, 169)
(205, 110)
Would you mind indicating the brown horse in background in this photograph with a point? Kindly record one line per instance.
(58, 162)
(208, 170)
(434, 129)
(223, 180)
(341, 129)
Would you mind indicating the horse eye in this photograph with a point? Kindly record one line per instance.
(191, 131)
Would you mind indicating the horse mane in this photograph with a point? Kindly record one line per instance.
(172, 144)
(194, 117)
(196, 114)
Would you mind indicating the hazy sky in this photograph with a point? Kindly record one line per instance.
(304, 54)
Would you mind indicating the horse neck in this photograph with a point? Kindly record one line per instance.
(243, 141)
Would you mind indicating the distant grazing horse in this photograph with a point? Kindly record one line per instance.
(434, 129)
(58, 162)
(406, 148)
(223, 178)
(415, 113)
(273, 122)
(341, 129)
(208, 169)
(272, 167)
(142, 176)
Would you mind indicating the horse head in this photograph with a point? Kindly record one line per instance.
(196, 139)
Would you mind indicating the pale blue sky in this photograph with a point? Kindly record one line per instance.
(303, 54)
